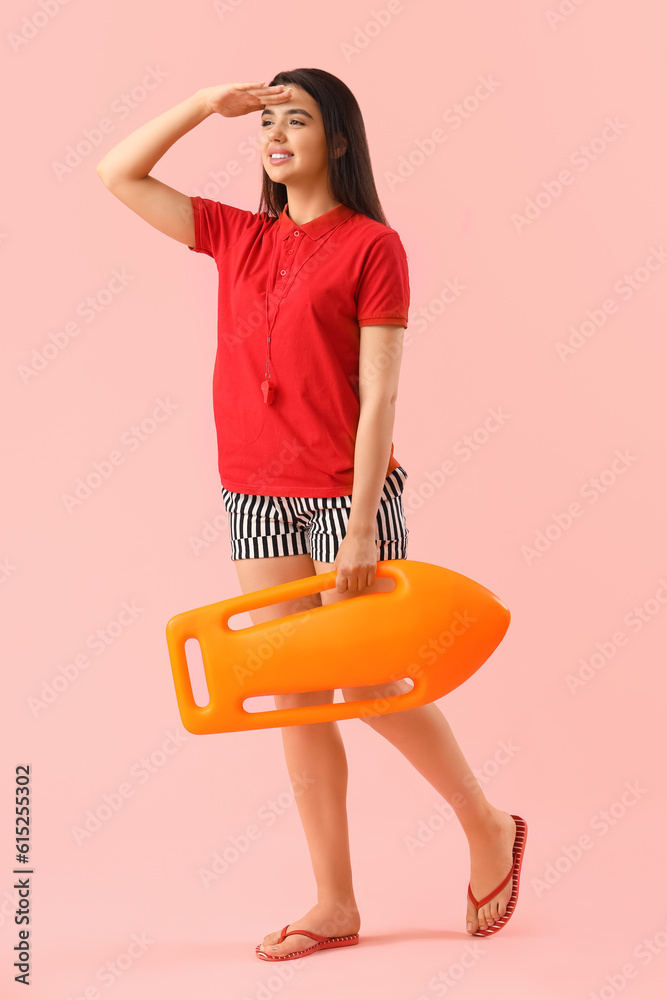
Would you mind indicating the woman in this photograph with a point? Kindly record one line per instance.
(313, 301)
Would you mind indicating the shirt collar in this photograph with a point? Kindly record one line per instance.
(316, 227)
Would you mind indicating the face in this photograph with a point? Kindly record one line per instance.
(294, 127)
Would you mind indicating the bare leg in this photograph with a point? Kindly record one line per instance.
(425, 738)
(317, 765)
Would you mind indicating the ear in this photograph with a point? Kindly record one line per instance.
(340, 145)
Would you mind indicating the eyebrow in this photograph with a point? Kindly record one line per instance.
(290, 111)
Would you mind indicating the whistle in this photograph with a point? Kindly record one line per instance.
(267, 391)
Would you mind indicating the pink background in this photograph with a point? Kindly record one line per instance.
(588, 923)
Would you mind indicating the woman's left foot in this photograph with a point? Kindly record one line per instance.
(491, 859)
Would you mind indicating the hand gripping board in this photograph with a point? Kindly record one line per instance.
(436, 627)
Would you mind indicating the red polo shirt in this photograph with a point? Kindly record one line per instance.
(320, 282)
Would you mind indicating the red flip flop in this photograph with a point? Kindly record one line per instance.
(322, 943)
(514, 872)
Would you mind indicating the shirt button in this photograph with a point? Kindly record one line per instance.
(290, 251)
(283, 272)
(296, 232)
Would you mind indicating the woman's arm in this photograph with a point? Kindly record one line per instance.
(379, 370)
(135, 156)
(125, 168)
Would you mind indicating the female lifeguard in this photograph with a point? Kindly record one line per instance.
(313, 299)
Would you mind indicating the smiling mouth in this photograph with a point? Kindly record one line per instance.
(280, 158)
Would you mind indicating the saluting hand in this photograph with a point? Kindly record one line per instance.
(233, 99)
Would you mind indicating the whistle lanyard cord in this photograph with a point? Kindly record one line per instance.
(268, 338)
(269, 328)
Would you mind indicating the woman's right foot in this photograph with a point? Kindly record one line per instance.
(328, 920)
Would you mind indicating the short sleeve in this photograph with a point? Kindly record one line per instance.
(218, 227)
(383, 293)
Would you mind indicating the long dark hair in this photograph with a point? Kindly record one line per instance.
(351, 178)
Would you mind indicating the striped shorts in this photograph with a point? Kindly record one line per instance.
(261, 526)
